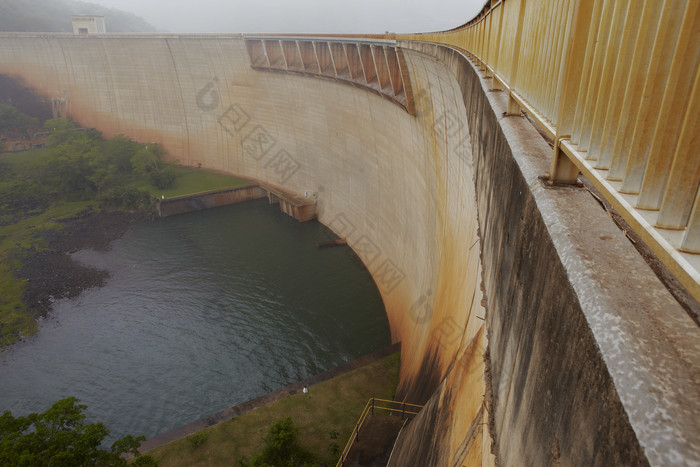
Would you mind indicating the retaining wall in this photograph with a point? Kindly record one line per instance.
(210, 199)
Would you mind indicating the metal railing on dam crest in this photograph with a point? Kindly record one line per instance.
(615, 85)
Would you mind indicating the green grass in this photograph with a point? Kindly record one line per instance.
(335, 404)
(190, 181)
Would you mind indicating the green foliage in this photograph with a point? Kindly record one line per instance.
(60, 437)
(23, 193)
(197, 439)
(34, 195)
(62, 130)
(148, 158)
(333, 447)
(81, 164)
(73, 166)
(22, 198)
(281, 448)
(149, 161)
(14, 122)
(127, 198)
(118, 151)
(162, 178)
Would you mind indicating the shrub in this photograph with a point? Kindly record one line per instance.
(197, 439)
(118, 151)
(149, 161)
(281, 448)
(13, 122)
(162, 178)
(61, 437)
(127, 198)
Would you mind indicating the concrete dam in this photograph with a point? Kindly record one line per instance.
(531, 328)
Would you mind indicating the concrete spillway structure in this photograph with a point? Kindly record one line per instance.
(530, 327)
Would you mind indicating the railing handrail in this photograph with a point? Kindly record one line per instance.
(369, 408)
(396, 402)
(616, 86)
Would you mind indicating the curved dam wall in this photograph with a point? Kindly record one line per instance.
(589, 360)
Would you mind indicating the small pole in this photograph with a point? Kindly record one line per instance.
(403, 409)
(373, 406)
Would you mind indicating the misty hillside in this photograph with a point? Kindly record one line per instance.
(55, 16)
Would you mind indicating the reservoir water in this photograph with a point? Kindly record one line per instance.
(201, 312)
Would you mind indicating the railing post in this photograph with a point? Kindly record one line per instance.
(496, 56)
(561, 169)
(691, 238)
(513, 106)
(373, 406)
(681, 191)
(574, 59)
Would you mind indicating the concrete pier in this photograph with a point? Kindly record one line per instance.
(292, 205)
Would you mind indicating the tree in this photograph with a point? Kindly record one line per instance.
(281, 448)
(73, 165)
(13, 122)
(149, 161)
(62, 130)
(59, 437)
(118, 151)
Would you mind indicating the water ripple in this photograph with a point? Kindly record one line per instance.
(201, 312)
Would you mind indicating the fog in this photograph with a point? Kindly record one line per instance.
(322, 16)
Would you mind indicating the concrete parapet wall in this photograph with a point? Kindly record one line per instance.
(588, 360)
(591, 361)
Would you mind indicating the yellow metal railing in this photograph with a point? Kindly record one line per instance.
(377, 406)
(615, 84)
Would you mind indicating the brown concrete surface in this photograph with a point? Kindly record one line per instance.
(587, 358)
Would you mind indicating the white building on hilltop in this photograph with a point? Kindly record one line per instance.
(88, 24)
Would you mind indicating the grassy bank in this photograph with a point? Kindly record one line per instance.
(331, 406)
(15, 319)
(189, 181)
(16, 237)
(22, 224)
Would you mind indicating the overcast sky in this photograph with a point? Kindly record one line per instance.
(325, 16)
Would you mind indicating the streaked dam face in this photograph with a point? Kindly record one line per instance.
(531, 328)
(201, 312)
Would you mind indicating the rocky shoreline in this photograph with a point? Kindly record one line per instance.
(52, 274)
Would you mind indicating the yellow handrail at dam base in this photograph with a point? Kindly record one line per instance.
(382, 406)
